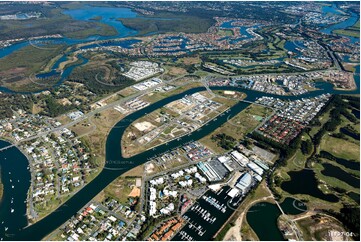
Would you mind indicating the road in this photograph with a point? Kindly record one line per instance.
(93, 112)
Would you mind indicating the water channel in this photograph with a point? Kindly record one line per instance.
(15, 162)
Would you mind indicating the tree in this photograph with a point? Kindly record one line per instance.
(306, 147)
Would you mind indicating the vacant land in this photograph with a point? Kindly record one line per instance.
(95, 132)
(16, 67)
(190, 60)
(119, 189)
(318, 227)
(237, 127)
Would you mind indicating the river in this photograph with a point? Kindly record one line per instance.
(109, 16)
(342, 25)
(115, 164)
(16, 180)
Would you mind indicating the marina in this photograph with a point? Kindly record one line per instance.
(202, 219)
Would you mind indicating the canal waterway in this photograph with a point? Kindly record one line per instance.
(15, 178)
(117, 165)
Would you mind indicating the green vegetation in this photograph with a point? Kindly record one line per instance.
(100, 29)
(53, 108)
(1, 189)
(306, 146)
(54, 22)
(225, 32)
(321, 132)
(10, 102)
(169, 22)
(92, 77)
(347, 32)
(30, 58)
(225, 141)
(237, 127)
(223, 232)
(353, 31)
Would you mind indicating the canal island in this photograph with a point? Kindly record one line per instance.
(179, 121)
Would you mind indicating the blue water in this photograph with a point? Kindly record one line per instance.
(243, 31)
(62, 76)
(109, 16)
(330, 9)
(16, 180)
(292, 45)
(347, 23)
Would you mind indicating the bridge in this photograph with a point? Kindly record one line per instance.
(259, 104)
(7, 147)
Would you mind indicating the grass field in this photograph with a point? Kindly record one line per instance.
(30, 58)
(238, 126)
(341, 148)
(347, 32)
(353, 31)
(120, 189)
(225, 32)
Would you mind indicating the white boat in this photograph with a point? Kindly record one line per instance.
(12, 210)
(6, 228)
(12, 186)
